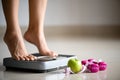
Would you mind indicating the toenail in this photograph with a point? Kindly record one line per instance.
(35, 58)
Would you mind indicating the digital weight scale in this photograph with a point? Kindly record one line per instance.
(42, 64)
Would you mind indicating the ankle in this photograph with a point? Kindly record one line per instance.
(35, 28)
(9, 36)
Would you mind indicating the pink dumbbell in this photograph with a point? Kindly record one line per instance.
(102, 66)
(94, 66)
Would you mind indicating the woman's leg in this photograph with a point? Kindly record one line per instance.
(35, 32)
(13, 37)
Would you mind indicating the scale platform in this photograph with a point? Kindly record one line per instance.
(42, 64)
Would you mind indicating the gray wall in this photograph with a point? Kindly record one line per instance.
(73, 12)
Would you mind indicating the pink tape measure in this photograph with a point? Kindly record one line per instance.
(92, 65)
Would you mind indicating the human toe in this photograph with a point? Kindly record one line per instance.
(31, 57)
(22, 58)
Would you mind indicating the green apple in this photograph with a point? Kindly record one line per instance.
(75, 65)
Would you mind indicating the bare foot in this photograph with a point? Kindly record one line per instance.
(16, 46)
(38, 39)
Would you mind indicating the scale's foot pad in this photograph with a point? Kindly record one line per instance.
(43, 64)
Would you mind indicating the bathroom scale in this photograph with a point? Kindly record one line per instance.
(41, 64)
